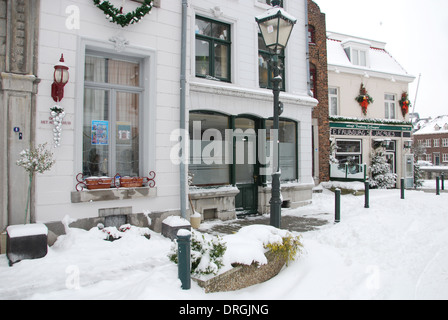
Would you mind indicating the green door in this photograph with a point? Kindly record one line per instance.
(246, 168)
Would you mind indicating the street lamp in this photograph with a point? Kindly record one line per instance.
(276, 26)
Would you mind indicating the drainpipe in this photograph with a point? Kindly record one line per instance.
(307, 46)
(183, 94)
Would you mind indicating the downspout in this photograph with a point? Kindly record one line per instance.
(183, 94)
(307, 46)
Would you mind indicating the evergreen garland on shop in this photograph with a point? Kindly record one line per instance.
(116, 15)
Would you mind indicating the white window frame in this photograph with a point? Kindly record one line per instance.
(428, 143)
(390, 105)
(332, 96)
(444, 142)
(148, 131)
(445, 157)
(436, 143)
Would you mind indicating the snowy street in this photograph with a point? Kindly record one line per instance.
(397, 249)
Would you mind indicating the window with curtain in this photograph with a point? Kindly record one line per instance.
(112, 116)
(288, 149)
(213, 43)
(208, 150)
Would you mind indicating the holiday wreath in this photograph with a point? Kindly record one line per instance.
(404, 104)
(117, 16)
(364, 99)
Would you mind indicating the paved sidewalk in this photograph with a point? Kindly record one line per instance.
(291, 223)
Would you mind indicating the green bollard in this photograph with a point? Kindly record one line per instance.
(184, 258)
(367, 194)
(338, 206)
(438, 186)
(402, 188)
(442, 176)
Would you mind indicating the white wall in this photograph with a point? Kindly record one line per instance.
(156, 39)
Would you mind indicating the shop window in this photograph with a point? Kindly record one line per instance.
(213, 42)
(208, 150)
(288, 149)
(349, 151)
(112, 116)
(265, 71)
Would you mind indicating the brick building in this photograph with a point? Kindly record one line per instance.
(433, 139)
(319, 86)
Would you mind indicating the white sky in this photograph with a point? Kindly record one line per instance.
(416, 33)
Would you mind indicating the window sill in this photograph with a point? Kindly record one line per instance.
(113, 194)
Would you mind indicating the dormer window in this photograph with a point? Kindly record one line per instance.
(357, 51)
(445, 127)
(437, 127)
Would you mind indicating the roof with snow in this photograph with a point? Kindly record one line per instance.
(379, 60)
(437, 126)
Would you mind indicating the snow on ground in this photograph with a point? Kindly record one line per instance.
(395, 250)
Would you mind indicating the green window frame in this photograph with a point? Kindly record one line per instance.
(213, 49)
(265, 72)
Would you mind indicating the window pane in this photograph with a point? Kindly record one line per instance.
(220, 31)
(127, 134)
(355, 58)
(104, 70)
(202, 58)
(245, 150)
(333, 106)
(203, 27)
(221, 61)
(96, 133)
(345, 146)
(123, 73)
(287, 149)
(206, 163)
(263, 70)
(363, 58)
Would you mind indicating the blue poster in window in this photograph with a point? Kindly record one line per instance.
(100, 133)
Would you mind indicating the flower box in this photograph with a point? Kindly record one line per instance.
(95, 183)
(128, 182)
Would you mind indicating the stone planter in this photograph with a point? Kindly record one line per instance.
(243, 276)
(25, 242)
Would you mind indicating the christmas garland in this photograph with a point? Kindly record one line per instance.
(116, 15)
(404, 104)
(364, 99)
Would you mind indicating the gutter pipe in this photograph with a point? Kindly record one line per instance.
(183, 93)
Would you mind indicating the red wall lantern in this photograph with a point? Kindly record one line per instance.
(61, 77)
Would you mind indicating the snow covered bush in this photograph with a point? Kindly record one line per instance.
(289, 248)
(381, 175)
(35, 160)
(207, 254)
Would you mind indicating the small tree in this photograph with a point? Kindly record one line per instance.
(382, 177)
(35, 160)
(418, 176)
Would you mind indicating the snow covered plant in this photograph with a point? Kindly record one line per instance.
(35, 160)
(289, 248)
(382, 177)
(207, 254)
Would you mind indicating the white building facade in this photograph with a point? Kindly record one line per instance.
(356, 132)
(122, 105)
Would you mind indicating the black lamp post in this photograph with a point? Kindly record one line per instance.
(276, 26)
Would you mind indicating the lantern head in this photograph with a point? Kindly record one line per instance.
(61, 77)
